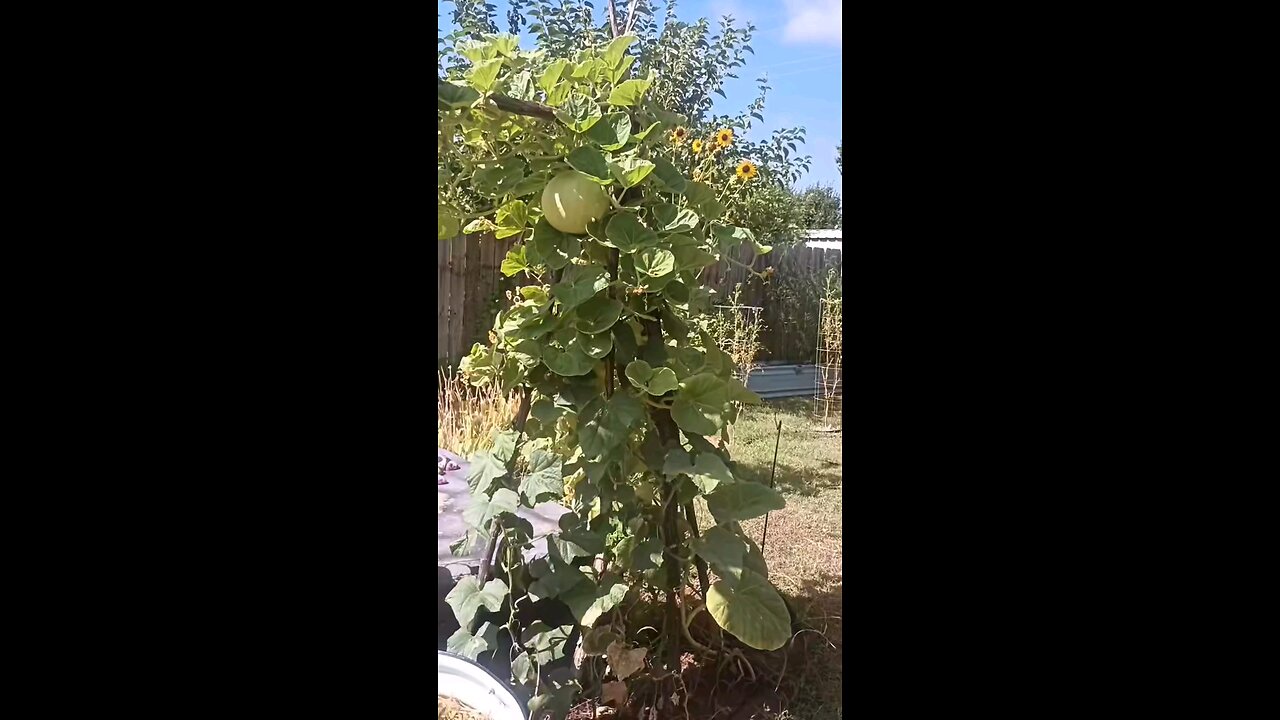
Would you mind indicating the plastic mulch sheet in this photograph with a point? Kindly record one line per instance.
(456, 497)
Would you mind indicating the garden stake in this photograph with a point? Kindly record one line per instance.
(772, 474)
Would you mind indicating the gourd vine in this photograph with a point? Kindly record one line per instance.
(624, 402)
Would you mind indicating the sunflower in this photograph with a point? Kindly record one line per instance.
(746, 170)
(697, 146)
(724, 137)
(677, 135)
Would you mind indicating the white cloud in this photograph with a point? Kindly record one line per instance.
(813, 21)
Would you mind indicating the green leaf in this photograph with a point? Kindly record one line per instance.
(483, 74)
(663, 381)
(504, 445)
(751, 610)
(605, 425)
(743, 501)
(678, 462)
(689, 255)
(631, 171)
(671, 119)
(467, 597)
(729, 237)
(638, 373)
(548, 643)
(545, 480)
(699, 404)
(470, 646)
(505, 44)
(483, 471)
(476, 50)
(568, 362)
(668, 177)
(629, 92)
(550, 247)
(553, 575)
(703, 199)
(479, 225)
(614, 51)
(522, 670)
(496, 178)
(612, 132)
(616, 75)
(598, 314)
(579, 113)
(655, 262)
(559, 94)
(515, 261)
(483, 510)
(709, 472)
(645, 133)
(669, 218)
(575, 540)
(739, 393)
(446, 224)
(588, 601)
(511, 219)
(547, 81)
(653, 381)
(579, 284)
(456, 96)
(595, 346)
(590, 162)
(529, 185)
(722, 548)
(627, 234)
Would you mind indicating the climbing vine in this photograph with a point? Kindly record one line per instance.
(622, 399)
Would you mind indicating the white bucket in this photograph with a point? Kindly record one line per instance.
(477, 688)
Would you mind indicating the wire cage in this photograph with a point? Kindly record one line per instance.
(828, 396)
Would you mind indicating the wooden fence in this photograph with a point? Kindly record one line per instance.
(471, 286)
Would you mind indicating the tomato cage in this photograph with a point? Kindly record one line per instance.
(828, 398)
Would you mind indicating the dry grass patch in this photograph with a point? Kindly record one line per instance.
(466, 416)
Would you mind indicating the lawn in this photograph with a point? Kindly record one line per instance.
(804, 542)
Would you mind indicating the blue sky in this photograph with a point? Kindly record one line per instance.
(798, 44)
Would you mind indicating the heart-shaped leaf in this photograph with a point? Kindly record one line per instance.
(470, 646)
(655, 262)
(612, 132)
(467, 597)
(589, 601)
(627, 234)
(590, 162)
(630, 171)
(724, 549)
(743, 501)
(668, 177)
(629, 92)
(598, 314)
(579, 113)
(699, 404)
(625, 661)
(751, 610)
(579, 284)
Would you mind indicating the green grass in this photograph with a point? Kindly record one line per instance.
(804, 543)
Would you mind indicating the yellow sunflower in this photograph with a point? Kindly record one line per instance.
(678, 135)
(724, 137)
(746, 170)
(697, 146)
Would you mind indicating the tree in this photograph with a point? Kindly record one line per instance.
(819, 207)
(840, 158)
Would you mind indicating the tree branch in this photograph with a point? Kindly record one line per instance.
(613, 22)
(518, 107)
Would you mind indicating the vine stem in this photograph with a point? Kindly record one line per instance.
(486, 559)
